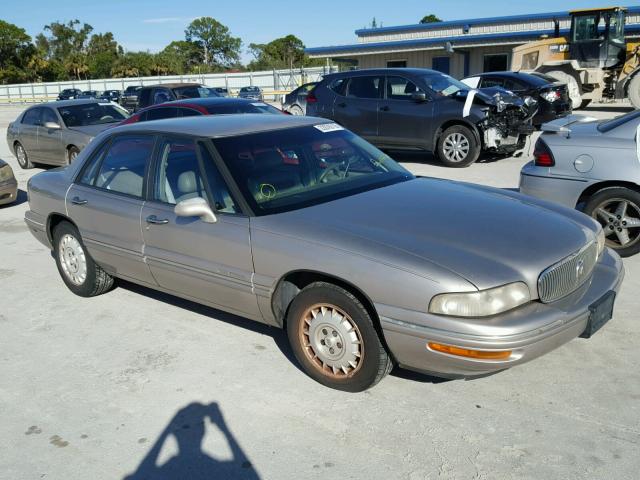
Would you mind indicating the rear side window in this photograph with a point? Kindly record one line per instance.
(32, 117)
(123, 166)
(515, 85)
(339, 85)
(189, 112)
(492, 82)
(365, 87)
(160, 113)
(161, 95)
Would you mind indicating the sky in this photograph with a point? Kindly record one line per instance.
(152, 24)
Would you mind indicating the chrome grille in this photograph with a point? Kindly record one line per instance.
(567, 275)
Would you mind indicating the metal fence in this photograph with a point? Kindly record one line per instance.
(274, 83)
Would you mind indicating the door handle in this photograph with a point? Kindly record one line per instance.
(342, 104)
(157, 221)
(385, 108)
(79, 201)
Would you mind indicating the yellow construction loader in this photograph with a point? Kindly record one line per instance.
(594, 61)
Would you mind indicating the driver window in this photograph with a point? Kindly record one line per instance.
(179, 176)
(49, 116)
(399, 88)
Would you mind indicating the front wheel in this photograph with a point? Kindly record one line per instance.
(333, 337)
(80, 273)
(618, 211)
(458, 147)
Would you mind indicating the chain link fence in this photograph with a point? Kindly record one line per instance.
(274, 83)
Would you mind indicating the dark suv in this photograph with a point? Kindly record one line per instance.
(129, 98)
(168, 92)
(420, 109)
(69, 94)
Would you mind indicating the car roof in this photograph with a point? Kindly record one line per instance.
(216, 126)
(173, 85)
(384, 71)
(206, 101)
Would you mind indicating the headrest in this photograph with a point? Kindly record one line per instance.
(187, 182)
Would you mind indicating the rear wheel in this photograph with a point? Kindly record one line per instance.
(296, 110)
(72, 153)
(633, 91)
(458, 147)
(79, 272)
(618, 211)
(333, 337)
(22, 157)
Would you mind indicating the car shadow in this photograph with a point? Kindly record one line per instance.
(189, 429)
(21, 197)
(279, 335)
(604, 108)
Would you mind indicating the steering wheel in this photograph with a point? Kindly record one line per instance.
(323, 176)
(106, 117)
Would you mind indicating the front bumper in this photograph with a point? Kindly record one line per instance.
(537, 182)
(8, 191)
(529, 332)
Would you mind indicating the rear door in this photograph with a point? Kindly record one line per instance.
(403, 121)
(28, 135)
(106, 201)
(358, 109)
(208, 262)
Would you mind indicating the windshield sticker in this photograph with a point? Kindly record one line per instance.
(328, 127)
(468, 102)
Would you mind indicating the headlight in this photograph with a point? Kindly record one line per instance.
(5, 173)
(600, 240)
(483, 303)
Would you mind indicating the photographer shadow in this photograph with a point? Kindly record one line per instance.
(188, 427)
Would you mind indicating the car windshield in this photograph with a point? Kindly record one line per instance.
(92, 114)
(241, 107)
(195, 92)
(299, 167)
(608, 125)
(444, 84)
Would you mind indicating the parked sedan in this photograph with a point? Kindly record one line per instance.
(54, 133)
(295, 102)
(420, 109)
(167, 92)
(194, 107)
(300, 224)
(551, 96)
(251, 93)
(593, 166)
(69, 94)
(8, 184)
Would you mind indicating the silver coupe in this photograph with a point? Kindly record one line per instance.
(594, 166)
(54, 133)
(300, 224)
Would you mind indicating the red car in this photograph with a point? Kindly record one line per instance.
(200, 106)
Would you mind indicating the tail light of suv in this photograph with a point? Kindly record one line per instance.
(311, 98)
(542, 156)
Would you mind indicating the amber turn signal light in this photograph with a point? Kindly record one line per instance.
(465, 352)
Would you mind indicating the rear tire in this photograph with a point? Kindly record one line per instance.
(80, 273)
(296, 110)
(22, 157)
(633, 91)
(72, 153)
(334, 340)
(458, 147)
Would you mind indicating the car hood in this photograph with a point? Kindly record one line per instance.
(481, 234)
(92, 130)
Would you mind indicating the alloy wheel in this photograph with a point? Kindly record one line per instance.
(21, 155)
(456, 147)
(331, 340)
(620, 219)
(72, 259)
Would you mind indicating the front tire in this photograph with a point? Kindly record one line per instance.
(80, 273)
(618, 211)
(22, 157)
(458, 147)
(333, 337)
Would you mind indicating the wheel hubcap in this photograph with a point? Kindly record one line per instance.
(620, 220)
(20, 153)
(456, 147)
(331, 340)
(72, 259)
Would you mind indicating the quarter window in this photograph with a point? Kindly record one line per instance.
(122, 169)
(365, 87)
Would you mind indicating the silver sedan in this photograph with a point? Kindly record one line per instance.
(593, 166)
(54, 133)
(300, 224)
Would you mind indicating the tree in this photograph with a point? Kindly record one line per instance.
(134, 64)
(218, 46)
(66, 45)
(181, 56)
(284, 52)
(102, 52)
(431, 18)
(16, 50)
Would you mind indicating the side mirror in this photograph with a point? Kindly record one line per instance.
(419, 97)
(195, 207)
(52, 125)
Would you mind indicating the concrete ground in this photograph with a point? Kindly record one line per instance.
(140, 384)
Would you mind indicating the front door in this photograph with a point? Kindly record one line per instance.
(403, 121)
(106, 203)
(358, 109)
(207, 262)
